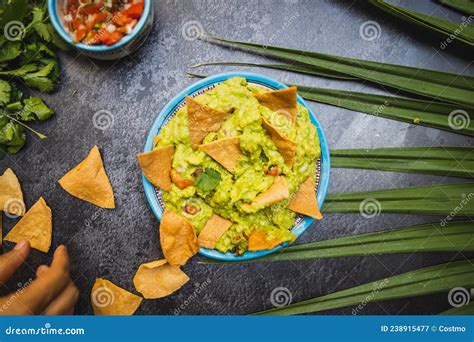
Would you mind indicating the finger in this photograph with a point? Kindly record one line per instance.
(46, 288)
(9, 262)
(64, 303)
(41, 270)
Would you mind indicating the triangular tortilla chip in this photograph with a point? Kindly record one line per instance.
(277, 192)
(215, 227)
(88, 181)
(36, 227)
(202, 120)
(258, 241)
(282, 101)
(159, 279)
(178, 238)
(11, 196)
(156, 165)
(304, 201)
(225, 151)
(285, 146)
(111, 300)
(156, 140)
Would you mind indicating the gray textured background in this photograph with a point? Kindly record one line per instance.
(112, 243)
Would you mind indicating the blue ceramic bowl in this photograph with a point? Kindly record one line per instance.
(127, 45)
(153, 194)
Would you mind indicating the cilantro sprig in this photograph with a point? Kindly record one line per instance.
(27, 58)
(208, 180)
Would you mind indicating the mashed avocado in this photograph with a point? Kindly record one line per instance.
(254, 174)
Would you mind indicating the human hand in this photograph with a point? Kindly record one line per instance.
(51, 293)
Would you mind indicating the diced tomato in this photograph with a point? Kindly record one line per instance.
(179, 180)
(76, 23)
(114, 38)
(135, 10)
(92, 8)
(121, 19)
(80, 34)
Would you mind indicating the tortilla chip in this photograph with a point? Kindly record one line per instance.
(156, 165)
(11, 196)
(158, 279)
(178, 238)
(258, 241)
(88, 181)
(36, 227)
(225, 151)
(202, 120)
(215, 227)
(304, 201)
(282, 101)
(110, 300)
(285, 146)
(275, 193)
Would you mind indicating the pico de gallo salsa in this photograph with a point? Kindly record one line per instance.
(106, 22)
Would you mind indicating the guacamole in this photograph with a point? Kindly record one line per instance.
(203, 187)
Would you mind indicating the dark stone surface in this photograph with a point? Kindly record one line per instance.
(112, 243)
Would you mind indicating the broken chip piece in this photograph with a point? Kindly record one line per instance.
(285, 146)
(156, 165)
(88, 181)
(110, 299)
(177, 237)
(277, 192)
(36, 227)
(158, 279)
(258, 241)
(214, 228)
(282, 101)
(225, 151)
(11, 196)
(202, 120)
(304, 201)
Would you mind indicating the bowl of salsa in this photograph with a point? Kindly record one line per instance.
(102, 29)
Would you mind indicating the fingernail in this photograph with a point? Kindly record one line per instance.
(20, 245)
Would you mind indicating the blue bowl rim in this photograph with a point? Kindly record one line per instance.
(98, 48)
(266, 81)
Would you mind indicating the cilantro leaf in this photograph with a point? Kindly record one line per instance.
(35, 108)
(9, 51)
(5, 90)
(13, 10)
(208, 180)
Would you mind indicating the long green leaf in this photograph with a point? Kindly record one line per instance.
(425, 113)
(463, 33)
(434, 84)
(466, 6)
(433, 237)
(443, 199)
(466, 310)
(447, 161)
(425, 281)
(299, 68)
